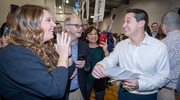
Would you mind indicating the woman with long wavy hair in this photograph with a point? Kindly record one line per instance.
(31, 68)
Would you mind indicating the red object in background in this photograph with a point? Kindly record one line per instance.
(102, 38)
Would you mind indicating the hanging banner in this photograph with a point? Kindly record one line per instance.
(87, 9)
(82, 10)
(99, 10)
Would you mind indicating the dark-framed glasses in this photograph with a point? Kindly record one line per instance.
(76, 25)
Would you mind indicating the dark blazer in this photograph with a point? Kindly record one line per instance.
(83, 48)
(23, 76)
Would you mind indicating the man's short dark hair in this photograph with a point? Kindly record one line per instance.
(140, 15)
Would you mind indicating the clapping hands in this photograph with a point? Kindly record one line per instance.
(63, 44)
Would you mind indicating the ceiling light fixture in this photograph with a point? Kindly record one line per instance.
(60, 7)
(91, 16)
(67, 1)
(60, 11)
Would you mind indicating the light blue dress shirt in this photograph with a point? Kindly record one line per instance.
(74, 52)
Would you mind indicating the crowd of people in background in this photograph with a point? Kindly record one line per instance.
(39, 60)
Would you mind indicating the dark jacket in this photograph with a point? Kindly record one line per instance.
(83, 48)
(23, 76)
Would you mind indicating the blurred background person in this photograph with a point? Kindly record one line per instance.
(121, 37)
(84, 27)
(160, 35)
(9, 19)
(5, 31)
(154, 27)
(57, 29)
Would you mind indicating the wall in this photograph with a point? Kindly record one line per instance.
(52, 5)
(154, 8)
(5, 6)
(67, 11)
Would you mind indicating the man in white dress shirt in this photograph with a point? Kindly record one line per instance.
(140, 53)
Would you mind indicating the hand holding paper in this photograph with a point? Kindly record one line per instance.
(118, 73)
(130, 84)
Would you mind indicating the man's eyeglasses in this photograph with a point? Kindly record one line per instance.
(76, 25)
